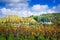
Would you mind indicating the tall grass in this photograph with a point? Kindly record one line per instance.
(37, 32)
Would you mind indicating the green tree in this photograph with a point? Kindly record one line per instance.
(56, 19)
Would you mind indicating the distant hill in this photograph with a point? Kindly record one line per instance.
(47, 17)
(15, 19)
(11, 18)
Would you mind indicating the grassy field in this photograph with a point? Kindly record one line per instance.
(36, 32)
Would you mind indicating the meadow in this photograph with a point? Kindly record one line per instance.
(43, 27)
(30, 32)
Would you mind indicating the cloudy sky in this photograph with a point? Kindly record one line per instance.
(25, 8)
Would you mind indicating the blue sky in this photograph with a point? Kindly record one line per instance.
(26, 8)
(50, 3)
(45, 2)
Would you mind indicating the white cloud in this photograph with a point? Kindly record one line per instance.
(56, 8)
(22, 4)
(22, 13)
(20, 8)
(39, 7)
(14, 1)
(25, 12)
